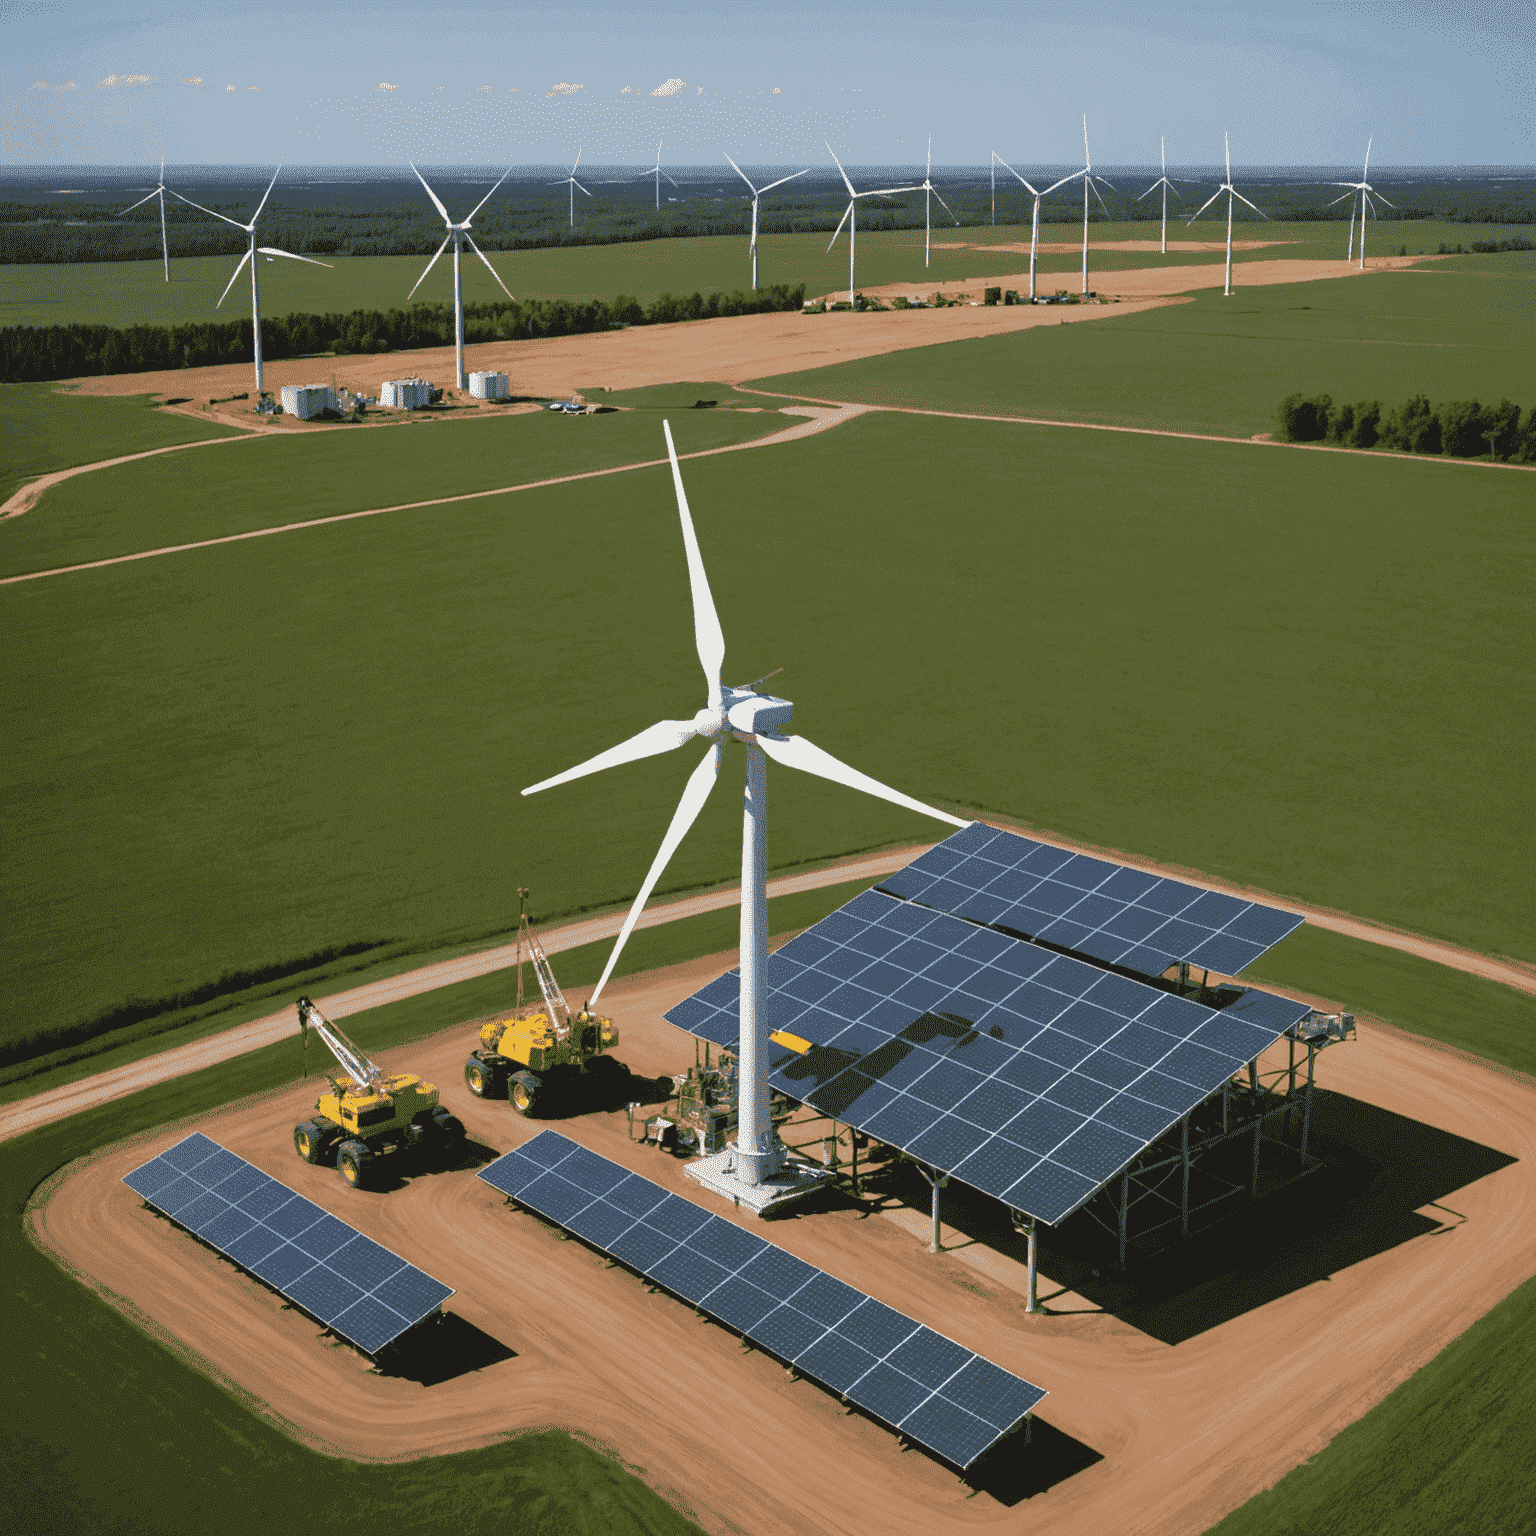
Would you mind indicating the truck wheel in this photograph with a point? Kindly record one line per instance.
(352, 1161)
(524, 1089)
(449, 1127)
(309, 1141)
(479, 1078)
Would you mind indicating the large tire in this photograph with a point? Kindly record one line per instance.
(449, 1128)
(310, 1141)
(481, 1080)
(525, 1090)
(353, 1162)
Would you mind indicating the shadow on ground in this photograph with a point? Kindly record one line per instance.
(1014, 1471)
(442, 1351)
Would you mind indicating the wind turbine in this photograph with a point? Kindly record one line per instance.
(1167, 187)
(756, 720)
(930, 192)
(160, 192)
(1088, 180)
(757, 192)
(1231, 192)
(850, 214)
(655, 171)
(459, 234)
(576, 185)
(1034, 229)
(1364, 188)
(250, 256)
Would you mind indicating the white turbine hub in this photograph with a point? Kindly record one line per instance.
(750, 714)
(709, 723)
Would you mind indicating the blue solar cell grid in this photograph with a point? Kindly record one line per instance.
(933, 1390)
(1124, 917)
(354, 1286)
(1027, 1074)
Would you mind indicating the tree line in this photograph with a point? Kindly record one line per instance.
(1463, 429)
(34, 353)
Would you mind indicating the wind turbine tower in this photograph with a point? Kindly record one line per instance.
(850, 214)
(1167, 187)
(250, 256)
(459, 234)
(655, 171)
(755, 1171)
(757, 192)
(1088, 181)
(1364, 188)
(929, 193)
(159, 192)
(1034, 231)
(576, 186)
(1231, 192)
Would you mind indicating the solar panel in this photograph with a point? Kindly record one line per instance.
(354, 1286)
(1121, 916)
(1027, 1074)
(936, 1392)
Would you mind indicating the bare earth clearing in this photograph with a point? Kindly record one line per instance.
(1185, 1432)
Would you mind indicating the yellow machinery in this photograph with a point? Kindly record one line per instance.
(368, 1117)
(535, 1054)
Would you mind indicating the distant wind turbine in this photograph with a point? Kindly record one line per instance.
(929, 192)
(577, 186)
(1364, 188)
(850, 214)
(1034, 231)
(1088, 181)
(1167, 187)
(250, 256)
(757, 192)
(1231, 192)
(459, 234)
(159, 192)
(655, 171)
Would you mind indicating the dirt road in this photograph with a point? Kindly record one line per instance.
(1141, 1435)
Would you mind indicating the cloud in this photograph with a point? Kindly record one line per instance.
(565, 88)
(701, 90)
(777, 91)
(482, 88)
(39, 85)
(229, 87)
(253, 87)
(111, 80)
(627, 91)
(72, 85)
(191, 79)
(669, 87)
(384, 85)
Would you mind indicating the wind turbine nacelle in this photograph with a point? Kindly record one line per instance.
(750, 714)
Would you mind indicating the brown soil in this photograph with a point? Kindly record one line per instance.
(1072, 247)
(1185, 1432)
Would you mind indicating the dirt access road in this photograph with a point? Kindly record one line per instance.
(1139, 1434)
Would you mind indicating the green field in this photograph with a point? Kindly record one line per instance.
(250, 752)
(135, 292)
(178, 498)
(1458, 329)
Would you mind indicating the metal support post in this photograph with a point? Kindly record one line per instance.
(1125, 1205)
(1258, 1131)
(1184, 1157)
(853, 1144)
(1290, 1090)
(1306, 1112)
(1032, 1304)
(937, 1180)
(1253, 1076)
(1226, 1094)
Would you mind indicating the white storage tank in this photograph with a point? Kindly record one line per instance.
(489, 386)
(406, 394)
(306, 401)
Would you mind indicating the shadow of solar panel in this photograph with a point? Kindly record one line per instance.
(353, 1285)
(830, 1331)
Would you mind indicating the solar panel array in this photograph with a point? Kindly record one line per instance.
(1027, 1074)
(1125, 917)
(354, 1286)
(936, 1392)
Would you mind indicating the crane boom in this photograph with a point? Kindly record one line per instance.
(554, 998)
(362, 1071)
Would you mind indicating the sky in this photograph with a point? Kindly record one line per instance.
(1295, 82)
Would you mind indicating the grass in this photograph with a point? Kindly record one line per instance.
(268, 748)
(177, 499)
(135, 293)
(43, 430)
(1223, 365)
(1442, 1453)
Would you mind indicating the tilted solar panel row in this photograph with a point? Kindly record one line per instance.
(936, 1392)
(1030, 1075)
(1121, 916)
(353, 1285)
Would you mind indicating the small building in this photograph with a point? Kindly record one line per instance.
(306, 401)
(405, 394)
(490, 386)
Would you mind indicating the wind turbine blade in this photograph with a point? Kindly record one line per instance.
(743, 174)
(782, 179)
(1366, 196)
(1153, 188)
(1225, 139)
(140, 202)
(668, 178)
(887, 191)
(580, 188)
(997, 157)
(841, 172)
(233, 275)
(929, 171)
(1239, 196)
(1086, 155)
(1175, 191)
(489, 268)
(1064, 180)
(579, 154)
(1206, 204)
(945, 206)
(797, 752)
(492, 193)
(1096, 194)
(664, 736)
(437, 202)
(1392, 206)
(707, 634)
(695, 793)
(1350, 193)
(272, 250)
(836, 232)
(265, 195)
(1366, 171)
(1162, 145)
(209, 211)
(420, 280)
